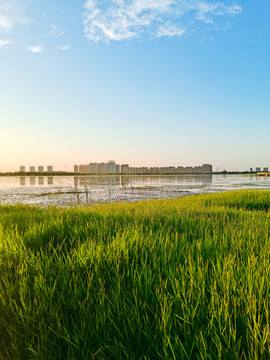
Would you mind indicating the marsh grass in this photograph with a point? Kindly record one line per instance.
(177, 279)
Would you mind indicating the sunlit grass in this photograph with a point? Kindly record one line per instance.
(163, 279)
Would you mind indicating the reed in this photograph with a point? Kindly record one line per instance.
(177, 279)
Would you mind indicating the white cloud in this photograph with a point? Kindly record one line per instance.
(5, 42)
(5, 23)
(35, 49)
(125, 19)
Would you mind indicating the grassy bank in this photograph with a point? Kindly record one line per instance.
(169, 279)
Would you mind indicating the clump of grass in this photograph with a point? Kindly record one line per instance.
(177, 279)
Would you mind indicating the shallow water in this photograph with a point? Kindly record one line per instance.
(70, 190)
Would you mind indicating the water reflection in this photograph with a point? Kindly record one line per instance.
(32, 181)
(41, 180)
(117, 180)
(97, 180)
(22, 181)
(140, 180)
(50, 180)
(98, 188)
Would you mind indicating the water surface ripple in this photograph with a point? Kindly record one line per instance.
(72, 190)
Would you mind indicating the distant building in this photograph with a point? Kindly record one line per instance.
(32, 168)
(40, 168)
(251, 170)
(102, 168)
(111, 167)
(124, 168)
(258, 169)
(265, 169)
(50, 168)
(22, 168)
(206, 168)
(82, 169)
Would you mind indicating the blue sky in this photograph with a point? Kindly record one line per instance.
(164, 82)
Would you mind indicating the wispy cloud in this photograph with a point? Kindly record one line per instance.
(64, 47)
(5, 42)
(8, 13)
(125, 19)
(27, 21)
(206, 11)
(56, 32)
(169, 30)
(35, 49)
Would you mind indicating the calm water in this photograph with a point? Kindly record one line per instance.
(69, 190)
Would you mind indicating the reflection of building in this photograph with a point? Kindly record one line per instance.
(50, 180)
(22, 168)
(76, 181)
(22, 181)
(32, 168)
(32, 181)
(40, 168)
(93, 181)
(40, 180)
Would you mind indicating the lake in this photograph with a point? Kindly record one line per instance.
(71, 190)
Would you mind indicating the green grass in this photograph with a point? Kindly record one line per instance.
(166, 279)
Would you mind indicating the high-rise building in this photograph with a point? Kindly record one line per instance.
(251, 170)
(50, 168)
(207, 168)
(124, 168)
(22, 168)
(32, 168)
(102, 168)
(111, 166)
(265, 169)
(258, 169)
(40, 168)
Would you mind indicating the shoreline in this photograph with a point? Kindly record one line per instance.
(62, 173)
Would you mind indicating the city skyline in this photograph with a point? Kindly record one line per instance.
(112, 167)
(150, 82)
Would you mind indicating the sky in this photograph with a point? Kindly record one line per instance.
(143, 82)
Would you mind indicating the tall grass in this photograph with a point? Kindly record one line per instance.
(169, 279)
